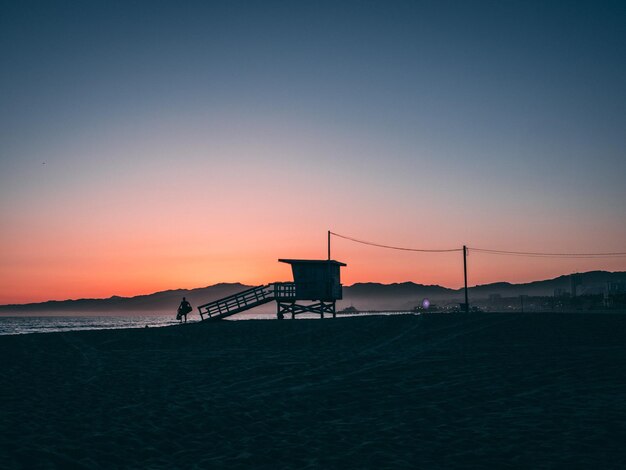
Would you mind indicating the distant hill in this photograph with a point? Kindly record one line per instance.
(547, 287)
(363, 296)
(373, 296)
(405, 295)
(159, 302)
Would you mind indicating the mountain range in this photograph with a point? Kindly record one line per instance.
(363, 296)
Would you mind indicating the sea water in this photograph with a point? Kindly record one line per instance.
(23, 324)
(16, 325)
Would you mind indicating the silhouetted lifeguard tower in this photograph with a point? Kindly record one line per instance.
(318, 282)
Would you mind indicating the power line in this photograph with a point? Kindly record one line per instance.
(488, 251)
(393, 247)
(480, 250)
(548, 255)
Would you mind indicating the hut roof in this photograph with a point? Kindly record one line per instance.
(312, 261)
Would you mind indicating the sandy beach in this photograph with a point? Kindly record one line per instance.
(429, 391)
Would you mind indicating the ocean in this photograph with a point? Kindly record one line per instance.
(17, 325)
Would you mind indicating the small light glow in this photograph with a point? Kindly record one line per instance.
(425, 304)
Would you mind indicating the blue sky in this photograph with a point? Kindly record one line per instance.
(482, 119)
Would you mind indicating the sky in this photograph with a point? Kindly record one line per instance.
(152, 145)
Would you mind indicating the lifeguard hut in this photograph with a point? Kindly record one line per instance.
(316, 282)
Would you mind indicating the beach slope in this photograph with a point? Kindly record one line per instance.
(430, 391)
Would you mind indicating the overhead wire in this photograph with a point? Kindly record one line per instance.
(548, 255)
(488, 251)
(379, 245)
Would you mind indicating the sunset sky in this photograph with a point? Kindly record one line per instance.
(155, 145)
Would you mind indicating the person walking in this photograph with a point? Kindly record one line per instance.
(183, 309)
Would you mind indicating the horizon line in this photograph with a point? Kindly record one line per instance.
(351, 285)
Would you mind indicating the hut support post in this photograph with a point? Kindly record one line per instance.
(320, 308)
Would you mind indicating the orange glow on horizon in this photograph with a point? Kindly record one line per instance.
(138, 228)
(147, 268)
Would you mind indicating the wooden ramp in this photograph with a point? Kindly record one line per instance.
(246, 300)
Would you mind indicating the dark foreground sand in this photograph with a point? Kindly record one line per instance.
(435, 391)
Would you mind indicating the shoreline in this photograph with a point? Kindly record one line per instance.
(40, 324)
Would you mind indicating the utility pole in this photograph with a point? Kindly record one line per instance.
(329, 245)
(465, 277)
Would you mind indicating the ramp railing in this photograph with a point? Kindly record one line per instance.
(246, 299)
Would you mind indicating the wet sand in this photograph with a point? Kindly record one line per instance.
(429, 391)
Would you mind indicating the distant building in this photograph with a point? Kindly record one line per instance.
(561, 293)
(616, 287)
(614, 293)
(494, 297)
(575, 281)
(593, 289)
